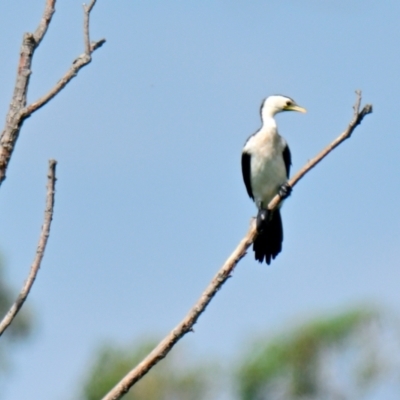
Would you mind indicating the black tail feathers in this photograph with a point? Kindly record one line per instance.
(268, 243)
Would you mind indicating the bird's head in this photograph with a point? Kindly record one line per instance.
(276, 104)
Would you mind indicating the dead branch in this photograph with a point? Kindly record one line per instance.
(87, 10)
(186, 325)
(45, 22)
(44, 235)
(18, 111)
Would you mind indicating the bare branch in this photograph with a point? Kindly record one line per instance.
(44, 235)
(186, 325)
(95, 45)
(18, 110)
(77, 65)
(87, 10)
(45, 22)
(14, 122)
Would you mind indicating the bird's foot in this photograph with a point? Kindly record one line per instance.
(285, 191)
(262, 219)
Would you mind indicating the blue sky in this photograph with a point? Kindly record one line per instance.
(150, 199)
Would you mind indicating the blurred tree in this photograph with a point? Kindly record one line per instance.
(23, 322)
(173, 379)
(329, 358)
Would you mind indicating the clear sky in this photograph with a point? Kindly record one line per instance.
(150, 199)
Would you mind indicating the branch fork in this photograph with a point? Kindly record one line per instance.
(18, 110)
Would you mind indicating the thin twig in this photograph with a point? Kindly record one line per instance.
(18, 111)
(86, 11)
(186, 325)
(45, 22)
(44, 235)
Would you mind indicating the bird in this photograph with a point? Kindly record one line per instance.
(266, 161)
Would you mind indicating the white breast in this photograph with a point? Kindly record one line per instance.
(268, 171)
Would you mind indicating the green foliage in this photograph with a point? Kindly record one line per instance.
(295, 358)
(172, 379)
(297, 364)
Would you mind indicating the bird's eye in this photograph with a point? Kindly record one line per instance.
(288, 103)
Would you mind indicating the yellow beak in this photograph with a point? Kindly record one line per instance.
(295, 107)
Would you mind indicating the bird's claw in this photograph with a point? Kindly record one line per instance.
(285, 191)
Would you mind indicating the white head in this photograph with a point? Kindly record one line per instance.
(277, 103)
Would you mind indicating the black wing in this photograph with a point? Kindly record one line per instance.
(246, 171)
(287, 159)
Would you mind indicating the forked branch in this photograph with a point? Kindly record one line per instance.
(18, 111)
(44, 235)
(186, 325)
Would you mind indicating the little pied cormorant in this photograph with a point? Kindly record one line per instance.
(266, 164)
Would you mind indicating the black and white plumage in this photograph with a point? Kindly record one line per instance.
(266, 164)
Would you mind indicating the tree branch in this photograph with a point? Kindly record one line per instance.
(45, 22)
(87, 10)
(44, 235)
(186, 325)
(18, 111)
(78, 64)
